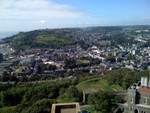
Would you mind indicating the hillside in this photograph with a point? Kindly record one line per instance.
(98, 83)
(53, 38)
(41, 38)
(56, 38)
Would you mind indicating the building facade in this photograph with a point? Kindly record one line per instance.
(138, 98)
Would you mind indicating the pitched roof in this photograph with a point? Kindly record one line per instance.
(144, 90)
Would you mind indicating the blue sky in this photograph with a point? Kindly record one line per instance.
(25, 15)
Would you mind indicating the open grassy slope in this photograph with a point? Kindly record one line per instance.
(98, 84)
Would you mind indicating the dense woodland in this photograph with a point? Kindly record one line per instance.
(38, 97)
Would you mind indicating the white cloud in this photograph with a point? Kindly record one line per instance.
(36, 9)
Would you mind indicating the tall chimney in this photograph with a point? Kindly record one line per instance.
(144, 81)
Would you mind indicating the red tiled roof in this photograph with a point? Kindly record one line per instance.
(144, 90)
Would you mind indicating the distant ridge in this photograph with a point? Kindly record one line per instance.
(56, 38)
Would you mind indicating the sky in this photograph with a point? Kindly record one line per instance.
(26, 15)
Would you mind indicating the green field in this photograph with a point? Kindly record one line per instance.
(48, 39)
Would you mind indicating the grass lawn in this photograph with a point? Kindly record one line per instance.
(98, 83)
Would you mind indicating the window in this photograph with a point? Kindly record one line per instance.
(131, 108)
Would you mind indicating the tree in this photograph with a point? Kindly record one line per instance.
(70, 63)
(117, 76)
(23, 78)
(101, 101)
(130, 56)
(38, 69)
(51, 67)
(128, 80)
(5, 76)
(13, 78)
(110, 58)
(1, 57)
(71, 95)
(13, 96)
